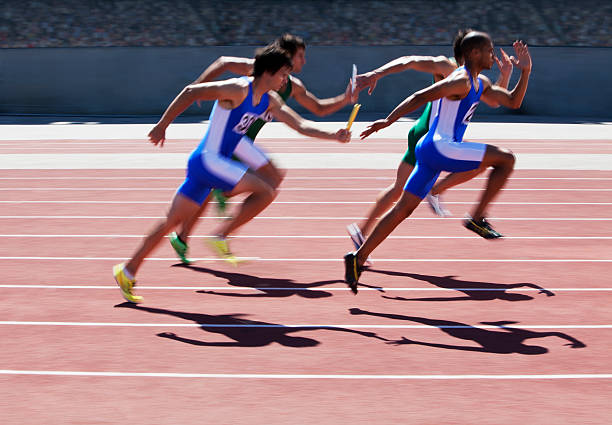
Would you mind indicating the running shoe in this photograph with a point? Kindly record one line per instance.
(180, 247)
(221, 201)
(436, 205)
(126, 285)
(352, 271)
(221, 249)
(481, 227)
(357, 237)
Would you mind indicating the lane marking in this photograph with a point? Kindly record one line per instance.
(580, 238)
(301, 189)
(329, 260)
(123, 217)
(306, 288)
(299, 326)
(303, 376)
(326, 178)
(76, 201)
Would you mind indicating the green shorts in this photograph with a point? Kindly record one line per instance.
(418, 130)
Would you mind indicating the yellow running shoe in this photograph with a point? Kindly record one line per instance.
(221, 248)
(125, 284)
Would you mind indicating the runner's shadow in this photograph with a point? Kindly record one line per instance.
(269, 287)
(476, 291)
(243, 332)
(507, 341)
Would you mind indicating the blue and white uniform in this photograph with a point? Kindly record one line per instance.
(442, 148)
(210, 164)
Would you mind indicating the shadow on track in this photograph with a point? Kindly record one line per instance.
(269, 287)
(506, 341)
(475, 291)
(244, 332)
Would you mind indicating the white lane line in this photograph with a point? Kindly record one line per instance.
(580, 238)
(301, 326)
(302, 376)
(332, 260)
(295, 218)
(326, 178)
(300, 189)
(306, 288)
(165, 202)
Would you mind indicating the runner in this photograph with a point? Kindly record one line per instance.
(440, 67)
(442, 148)
(239, 101)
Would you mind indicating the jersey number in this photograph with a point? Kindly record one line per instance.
(469, 114)
(245, 122)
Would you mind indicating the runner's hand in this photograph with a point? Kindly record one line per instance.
(374, 127)
(350, 95)
(366, 80)
(343, 135)
(505, 63)
(157, 136)
(523, 58)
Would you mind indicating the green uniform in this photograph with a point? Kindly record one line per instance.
(416, 132)
(259, 123)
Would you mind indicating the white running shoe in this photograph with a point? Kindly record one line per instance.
(357, 237)
(436, 205)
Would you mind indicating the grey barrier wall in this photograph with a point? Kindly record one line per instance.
(565, 82)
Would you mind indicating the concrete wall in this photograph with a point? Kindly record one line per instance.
(566, 82)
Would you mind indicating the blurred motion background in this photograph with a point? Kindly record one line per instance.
(131, 57)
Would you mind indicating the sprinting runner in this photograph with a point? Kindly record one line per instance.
(440, 67)
(239, 102)
(296, 47)
(442, 148)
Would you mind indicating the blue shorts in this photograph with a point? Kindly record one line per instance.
(208, 170)
(441, 155)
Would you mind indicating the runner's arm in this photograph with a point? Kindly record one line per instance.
(437, 65)
(233, 91)
(505, 72)
(320, 107)
(453, 86)
(236, 65)
(284, 113)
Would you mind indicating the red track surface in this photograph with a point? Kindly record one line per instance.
(548, 281)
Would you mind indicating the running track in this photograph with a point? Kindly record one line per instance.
(447, 328)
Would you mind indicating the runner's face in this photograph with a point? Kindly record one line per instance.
(488, 56)
(299, 59)
(279, 78)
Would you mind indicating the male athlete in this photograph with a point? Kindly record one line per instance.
(239, 101)
(442, 148)
(293, 87)
(440, 67)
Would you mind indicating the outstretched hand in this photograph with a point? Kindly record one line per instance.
(157, 136)
(366, 80)
(523, 58)
(374, 127)
(352, 96)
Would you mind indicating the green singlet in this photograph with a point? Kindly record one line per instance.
(259, 123)
(417, 131)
